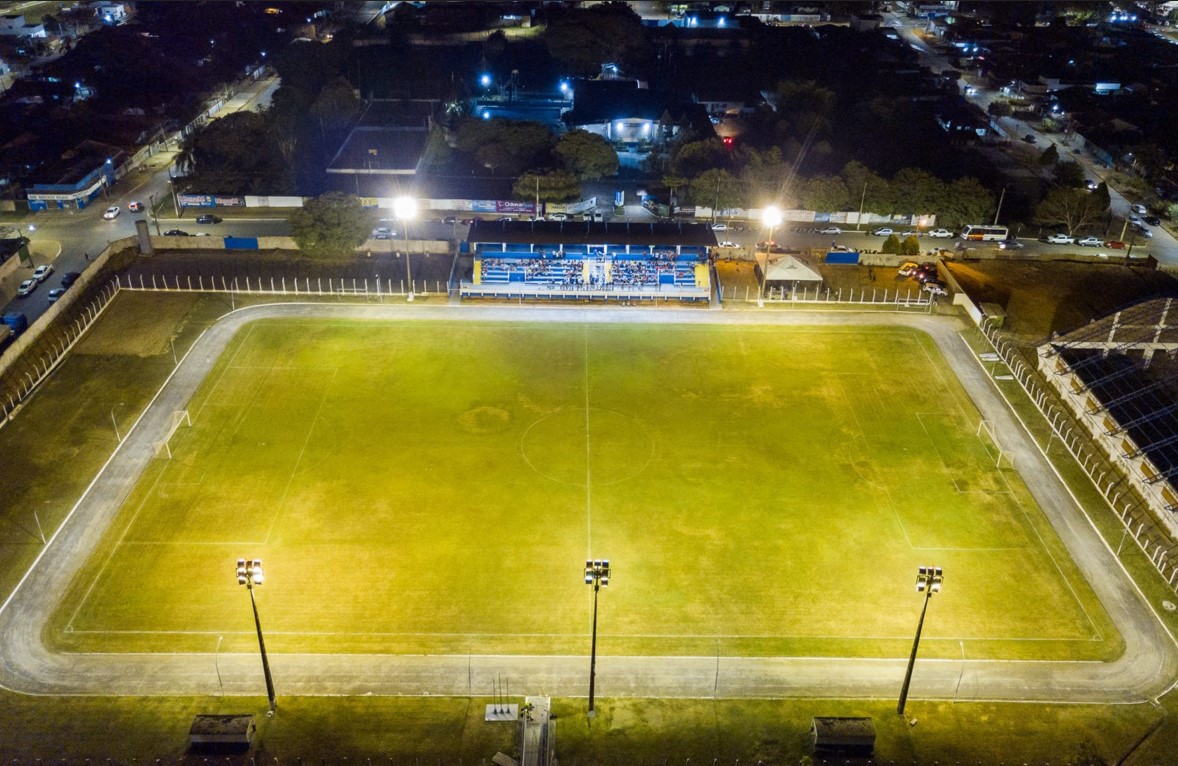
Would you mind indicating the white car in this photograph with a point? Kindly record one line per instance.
(719, 227)
(41, 273)
(911, 233)
(1091, 185)
(112, 213)
(830, 230)
(27, 287)
(940, 234)
(935, 287)
(383, 232)
(1090, 242)
(1059, 239)
(884, 232)
(728, 245)
(1139, 209)
(558, 217)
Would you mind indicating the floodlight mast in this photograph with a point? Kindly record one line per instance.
(771, 217)
(928, 582)
(249, 574)
(597, 575)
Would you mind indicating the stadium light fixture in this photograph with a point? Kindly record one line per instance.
(405, 210)
(771, 217)
(596, 574)
(249, 574)
(928, 582)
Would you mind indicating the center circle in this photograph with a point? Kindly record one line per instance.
(575, 446)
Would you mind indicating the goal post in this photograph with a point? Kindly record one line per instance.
(984, 426)
(178, 418)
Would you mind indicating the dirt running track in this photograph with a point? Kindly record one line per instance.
(1146, 670)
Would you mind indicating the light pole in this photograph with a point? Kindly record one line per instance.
(928, 581)
(1001, 197)
(597, 575)
(114, 422)
(154, 216)
(405, 209)
(249, 574)
(771, 217)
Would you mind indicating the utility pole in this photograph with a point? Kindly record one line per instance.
(1001, 197)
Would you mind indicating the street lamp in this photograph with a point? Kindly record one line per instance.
(151, 210)
(405, 210)
(249, 574)
(771, 217)
(597, 575)
(928, 582)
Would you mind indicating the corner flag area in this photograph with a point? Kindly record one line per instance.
(435, 488)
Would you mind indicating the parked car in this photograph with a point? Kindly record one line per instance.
(940, 234)
(466, 221)
(1030, 139)
(908, 268)
(69, 278)
(1152, 220)
(507, 218)
(1135, 220)
(727, 245)
(112, 213)
(26, 288)
(1138, 208)
(41, 273)
(1115, 244)
(448, 219)
(719, 227)
(558, 217)
(135, 207)
(382, 232)
(1090, 242)
(926, 275)
(208, 218)
(176, 233)
(1059, 239)
(935, 287)
(1010, 244)
(1092, 185)
(56, 293)
(830, 230)
(1143, 232)
(884, 232)
(766, 244)
(910, 233)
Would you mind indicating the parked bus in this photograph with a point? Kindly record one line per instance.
(985, 233)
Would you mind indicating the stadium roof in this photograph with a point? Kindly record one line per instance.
(591, 233)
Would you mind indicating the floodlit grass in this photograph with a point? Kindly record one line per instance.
(435, 487)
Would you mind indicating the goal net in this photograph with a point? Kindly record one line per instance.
(178, 418)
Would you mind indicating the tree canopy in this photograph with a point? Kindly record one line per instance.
(506, 147)
(587, 155)
(1074, 209)
(552, 186)
(717, 189)
(584, 39)
(237, 154)
(332, 225)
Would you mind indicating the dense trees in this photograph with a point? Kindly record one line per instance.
(1073, 209)
(552, 186)
(608, 33)
(236, 154)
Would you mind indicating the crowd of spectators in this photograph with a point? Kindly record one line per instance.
(558, 271)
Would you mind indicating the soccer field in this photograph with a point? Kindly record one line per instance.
(436, 488)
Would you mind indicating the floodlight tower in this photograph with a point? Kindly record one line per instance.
(597, 575)
(405, 210)
(249, 574)
(771, 217)
(928, 582)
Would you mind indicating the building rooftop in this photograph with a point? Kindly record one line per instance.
(591, 233)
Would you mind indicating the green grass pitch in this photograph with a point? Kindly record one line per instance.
(436, 487)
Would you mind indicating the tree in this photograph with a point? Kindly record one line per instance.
(891, 245)
(609, 33)
(553, 186)
(1070, 174)
(1073, 209)
(694, 157)
(916, 191)
(999, 109)
(910, 246)
(332, 225)
(587, 155)
(966, 201)
(674, 183)
(1050, 156)
(505, 146)
(865, 185)
(825, 194)
(767, 178)
(335, 107)
(717, 189)
(237, 154)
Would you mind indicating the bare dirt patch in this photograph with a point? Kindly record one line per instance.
(1040, 298)
(142, 325)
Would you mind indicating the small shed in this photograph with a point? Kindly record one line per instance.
(843, 735)
(786, 271)
(222, 730)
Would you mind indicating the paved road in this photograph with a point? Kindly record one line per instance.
(1147, 668)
